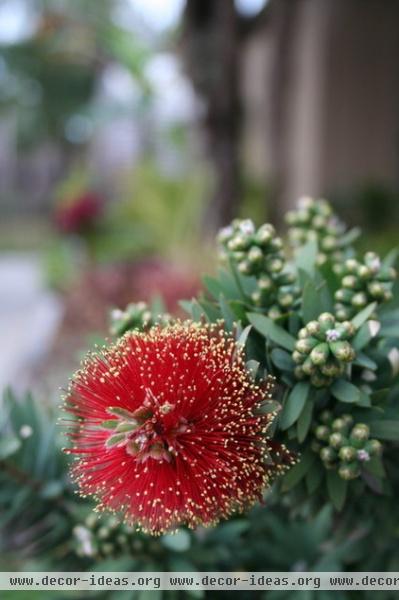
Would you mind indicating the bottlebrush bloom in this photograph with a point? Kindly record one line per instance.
(167, 428)
(78, 214)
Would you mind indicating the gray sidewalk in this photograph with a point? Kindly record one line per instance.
(29, 318)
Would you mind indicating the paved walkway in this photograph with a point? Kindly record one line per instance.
(29, 318)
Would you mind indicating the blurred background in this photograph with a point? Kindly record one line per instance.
(130, 131)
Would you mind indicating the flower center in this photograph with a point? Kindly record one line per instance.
(143, 432)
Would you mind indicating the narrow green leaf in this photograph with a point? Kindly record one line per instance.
(311, 306)
(337, 489)
(375, 467)
(298, 471)
(362, 360)
(282, 359)
(242, 340)
(305, 420)
(385, 430)
(213, 286)
(391, 258)
(345, 391)
(363, 315)
(9, 445)
(294, 404)
(314, 477)
(305, 257)
(253, 367)
(227, 314)
(270, 330)
(348, 238)
(109, 424)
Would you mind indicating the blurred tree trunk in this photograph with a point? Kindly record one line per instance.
(211, 46)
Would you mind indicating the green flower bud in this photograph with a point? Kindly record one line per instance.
(339, 425)
(319, 222)
(274, 265)
(374, 447)
(364, 272)
(319, 354)
(342, 312)
(348, 419)
(343, 351)
(245, 267)
(349, 471)
(285, 278)
(319, 381)
(326, 416)
(306, 345)
(274, 313)
(313, 328)
(298, 357)
(238, 242)
(265, 283)
(285, 300)
(255, 255)
(308, 367)
(347, 330)
(350, 282)
(344, 295)
(373, 261)
(388, 296)
(326, 321)
(332, 368)
(322, 433)
(299, 374)
(360, 432)
(328, 455)
(328, 243)
(347, 453)
(336, 440)
(359, 300)
(276, 244)
(265, 234)
(303, 333)
(376, 290)
(351, 265)
(290, 217)
(256, 298)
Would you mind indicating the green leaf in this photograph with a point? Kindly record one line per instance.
(242, 340)
(253, 367)
(270, 330)
(9, 445)
(227, 314)
(348, 238)
(311, 306)
(305, 420)
(345, 391)
(391, 258)
(385, 430)
(179, 542)
(282, 359)
(375, 467)
(294, 404)
(363, 315)
(314, 477)
(306, 256)
(362, 360)
(362, 337)
(213, 286)
(337, 489)
(298, 471)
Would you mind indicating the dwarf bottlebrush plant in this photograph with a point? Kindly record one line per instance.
(330, 349)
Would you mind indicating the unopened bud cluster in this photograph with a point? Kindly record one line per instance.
(323, 350)
(106, 538)
(259, 253)
(343, 444)
(362, 283)
(136, 315)
(315, 220)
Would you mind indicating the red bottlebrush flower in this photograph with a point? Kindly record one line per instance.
(78, 214)
(168, 430)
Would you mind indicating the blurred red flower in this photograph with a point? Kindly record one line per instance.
(168, 430)
(78, 214)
